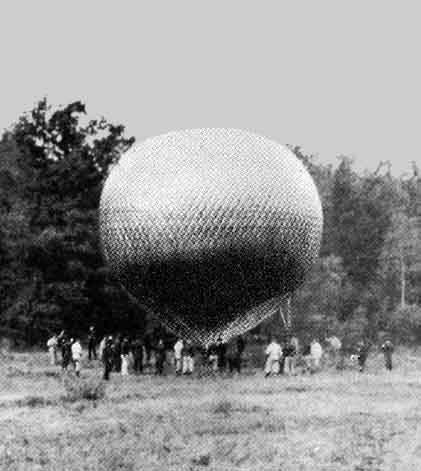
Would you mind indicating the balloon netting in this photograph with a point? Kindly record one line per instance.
(210, 228)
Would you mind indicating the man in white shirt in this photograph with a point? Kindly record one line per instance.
(178, 350)
(334, 343)
(334, 346)
(316, 353)
(188, 359)
(77, 355)
(273, 354)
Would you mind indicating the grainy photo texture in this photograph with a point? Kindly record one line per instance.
(210, 236)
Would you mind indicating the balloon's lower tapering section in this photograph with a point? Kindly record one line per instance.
(210, 228)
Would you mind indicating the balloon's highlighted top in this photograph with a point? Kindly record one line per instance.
(208, 226)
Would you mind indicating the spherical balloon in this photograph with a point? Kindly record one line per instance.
(210, 228)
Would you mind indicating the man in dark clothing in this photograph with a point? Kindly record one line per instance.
(159, 357)
(288, 353)
(232, 356)
(212, 357)
(108, 358)
(137, 349)
(387, 349)
(61, 339)
(92, 343)
(234, 351)
(147, 343)
(362, 354)
(117, 354)
(221, 350)
(241, 345)
(66, 351)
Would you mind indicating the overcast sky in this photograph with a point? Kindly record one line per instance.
(336, 77)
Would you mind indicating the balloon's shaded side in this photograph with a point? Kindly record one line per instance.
(210, 253)
(213, 293)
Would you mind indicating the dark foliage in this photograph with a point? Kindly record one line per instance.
(52, 275)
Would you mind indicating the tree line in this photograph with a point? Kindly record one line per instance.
(53, 162)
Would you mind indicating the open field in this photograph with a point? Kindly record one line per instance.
(329, 421)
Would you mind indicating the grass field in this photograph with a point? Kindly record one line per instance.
(335, 420)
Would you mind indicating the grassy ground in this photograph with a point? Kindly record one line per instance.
(329, 421)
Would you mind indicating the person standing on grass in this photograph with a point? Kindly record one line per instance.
(148, 348)
(362, 354)
(108, 358)
(92, 343)
(117, 353)
(316, 354)
(137, 349)
(235, 349)
(188, 359)
(289, 358)
(308, 359)
(77, 356)
(387, 349)
(232, 355)
(178, 356)
(125, 351)
(62, 338)
(66, 352)
(52, 345)
(273, 354)
(212, 354)
(102, 346)
(241, 345)
(334, 345)
(159, 357)
(221, 351)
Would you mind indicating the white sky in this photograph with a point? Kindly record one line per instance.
(336, 77)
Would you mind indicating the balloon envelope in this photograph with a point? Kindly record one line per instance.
(210, 228)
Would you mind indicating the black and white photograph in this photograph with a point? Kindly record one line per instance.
(210, 235)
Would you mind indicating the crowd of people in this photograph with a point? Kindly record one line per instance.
(282, 358)
(123, 355)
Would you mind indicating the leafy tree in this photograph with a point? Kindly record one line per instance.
(405, 324)
(61, 165)
(316, 304)
(401, 257)
(53, 162)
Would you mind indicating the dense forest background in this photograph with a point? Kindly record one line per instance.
(52, 166)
